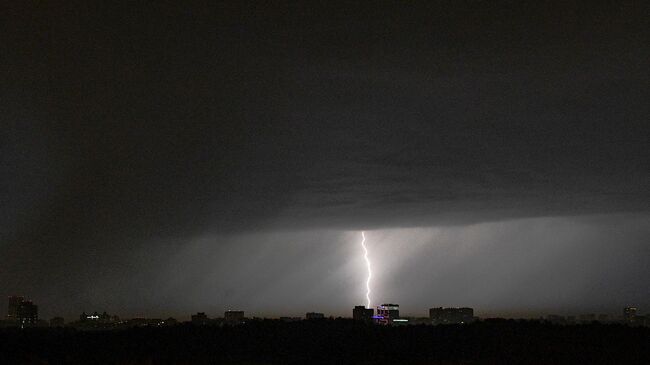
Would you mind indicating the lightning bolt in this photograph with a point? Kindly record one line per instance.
(365, 256)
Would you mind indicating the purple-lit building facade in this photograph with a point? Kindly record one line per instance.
(386, 314)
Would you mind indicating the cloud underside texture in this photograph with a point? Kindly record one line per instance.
(127, 128)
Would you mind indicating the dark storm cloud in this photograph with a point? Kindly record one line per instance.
(129, 127)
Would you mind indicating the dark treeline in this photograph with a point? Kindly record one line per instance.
(332, 342)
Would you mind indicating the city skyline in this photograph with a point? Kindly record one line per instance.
(15, 302)
(389, 249)
(169, 159)
(23, 313)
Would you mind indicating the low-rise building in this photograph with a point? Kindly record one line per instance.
(233, 317)
(200, 319)
(442, 315)
(314, 315)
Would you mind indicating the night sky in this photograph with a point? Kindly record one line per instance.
(167, 159)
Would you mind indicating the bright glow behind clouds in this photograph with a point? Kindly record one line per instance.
(536, 266)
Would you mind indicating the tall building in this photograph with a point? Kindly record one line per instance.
(12, 307)
(314, 315)
(442, 315)
(387, 313)
(361, 313)
(27, 313)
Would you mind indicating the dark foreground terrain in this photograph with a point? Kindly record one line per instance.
(332, 342)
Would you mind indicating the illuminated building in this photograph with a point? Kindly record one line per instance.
(400, 321)
(233, 317)
(414, 320)
(629, 314)
(83, 317)
(387, 313)
(12, 308)
(361, 313)
(313, 315)
(442, 315)
(27, 313)
(98, 318)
